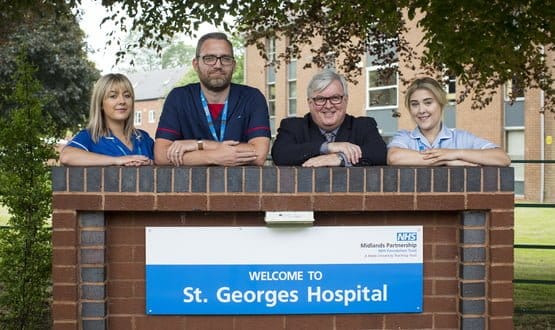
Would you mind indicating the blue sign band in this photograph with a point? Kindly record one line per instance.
(283, 289)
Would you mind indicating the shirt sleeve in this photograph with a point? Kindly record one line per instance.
(290, 148)
(259, 120)
(168, 126)
(472, 141)
(374, 150)
(82, 141)
(401, 139)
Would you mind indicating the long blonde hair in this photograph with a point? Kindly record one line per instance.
(97, 123)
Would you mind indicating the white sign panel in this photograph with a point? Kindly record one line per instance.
(261, 270)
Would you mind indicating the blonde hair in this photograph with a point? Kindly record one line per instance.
(429, 84)
(97, 123)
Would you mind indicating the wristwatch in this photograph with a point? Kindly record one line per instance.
(341, 158)
(200, 145)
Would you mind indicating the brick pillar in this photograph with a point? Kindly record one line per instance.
(472, 270)
(92, 270)
(64, 270)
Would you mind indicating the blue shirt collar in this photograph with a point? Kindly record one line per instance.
(444, 134)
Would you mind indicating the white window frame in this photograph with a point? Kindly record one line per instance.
(519, 169)
(292, 77)
(151, 116)
(451, 97)
(271, 53)
(508, 87)
(370, 107)
(138, 118)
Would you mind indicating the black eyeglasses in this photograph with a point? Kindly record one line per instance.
(335, 99)
(212, 59)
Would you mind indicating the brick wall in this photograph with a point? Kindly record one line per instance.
(100, 215)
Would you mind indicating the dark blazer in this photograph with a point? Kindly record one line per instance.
(299, 139)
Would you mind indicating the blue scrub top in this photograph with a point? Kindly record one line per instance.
(183, 115)
(112, 146)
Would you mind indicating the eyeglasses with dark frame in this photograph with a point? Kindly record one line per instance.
(213, 59)
(320, 100)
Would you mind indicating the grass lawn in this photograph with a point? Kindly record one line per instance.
(534, 226)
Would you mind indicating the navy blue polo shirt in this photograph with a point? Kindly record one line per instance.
(112, 146)
(183, 116)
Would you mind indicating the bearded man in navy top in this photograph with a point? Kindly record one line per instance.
(214, 122)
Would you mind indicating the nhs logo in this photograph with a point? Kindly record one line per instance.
(406, 236)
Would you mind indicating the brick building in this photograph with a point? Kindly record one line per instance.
(520, 128)
(151, 89)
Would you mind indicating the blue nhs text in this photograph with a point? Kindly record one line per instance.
(406, 236)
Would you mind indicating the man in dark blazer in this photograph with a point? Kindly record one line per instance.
(328, 136)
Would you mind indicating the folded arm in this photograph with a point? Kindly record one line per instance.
(451, 157)
(226, 153)
(72, 156)
(488, 157)
(288, 151)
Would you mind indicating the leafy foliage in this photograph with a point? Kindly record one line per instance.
(177, 54)
(483, 45)
(25, 251)
(174, 54)
(54, 45)
(13, 13)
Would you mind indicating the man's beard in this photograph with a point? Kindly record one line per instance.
(216, 84)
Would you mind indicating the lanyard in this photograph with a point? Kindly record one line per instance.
(209, 118)
(421, 145)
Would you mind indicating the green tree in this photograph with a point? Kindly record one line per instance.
(172, 54)
(484, 45)
(25, 252)
(54, 45)
(177, 54)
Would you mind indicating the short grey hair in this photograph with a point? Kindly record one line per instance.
(322, 80)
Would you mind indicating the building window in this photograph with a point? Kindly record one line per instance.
(151, 116)
(292, 88)
(138, 117)
(515, 149)
(271, 82)
(382, 82)
(381, 89)
(451, 88)
(514, 88)
(271, 91)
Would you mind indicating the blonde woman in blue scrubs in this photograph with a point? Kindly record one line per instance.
(110, 137)
(431, 143)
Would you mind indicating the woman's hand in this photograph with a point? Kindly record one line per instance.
(132, 160)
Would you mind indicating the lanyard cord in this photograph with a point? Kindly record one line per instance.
(209, 119)
(421, 145)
